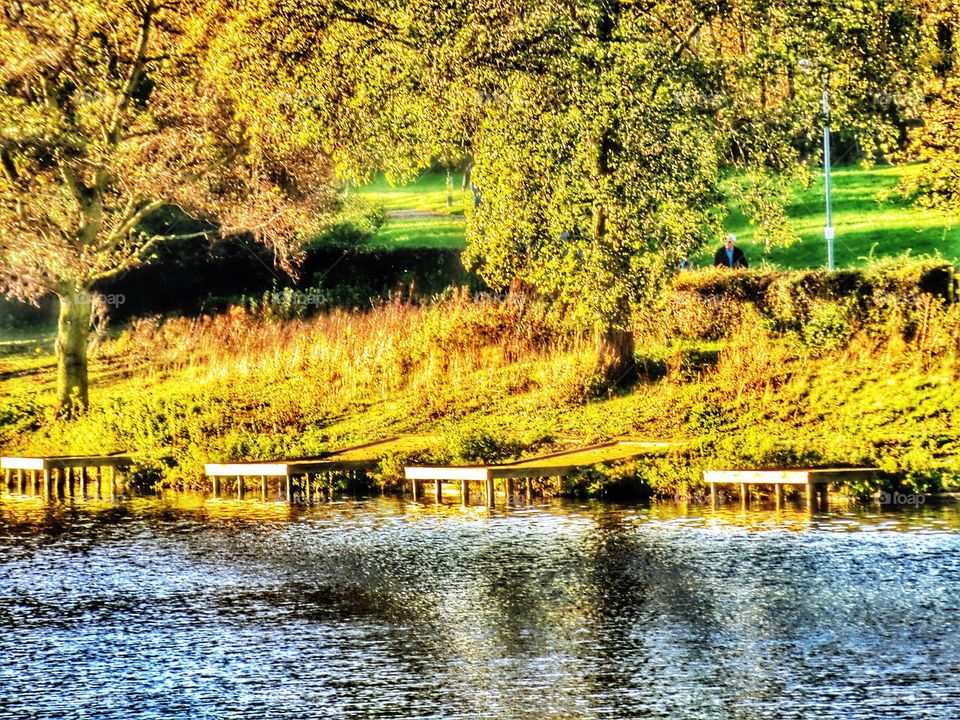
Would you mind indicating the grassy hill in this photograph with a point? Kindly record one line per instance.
(796, 380)
(871, 220)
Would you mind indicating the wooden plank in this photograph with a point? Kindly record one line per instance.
(787, 477)
(592, 455)
(64, 461)
(826, 475)
(22, 463)
(773, 477)
(508, 471)
(447, 472)
(238, 469)
(78, 461)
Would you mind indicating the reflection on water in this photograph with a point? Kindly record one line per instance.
(187, 607)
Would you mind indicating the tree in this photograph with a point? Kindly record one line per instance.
(936, 141)
(110, 112)
(603, 131)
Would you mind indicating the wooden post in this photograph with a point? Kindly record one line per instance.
(529, 490)
(415, 486)
(61, 482)
(509, 490)
(22, 479)
(714, 496)
(778, 488)
(308, 488)
(99, 481)
(83, 481)
(333, 485)
(490, 492)
(465, 491)
(745, 495)
(48, 483)
(289, 488)
(240, 487)
(216, 486)
(439, 490)
(8, 476)
(264, 488)
(35, 477)
(811, 495)
(824, 498)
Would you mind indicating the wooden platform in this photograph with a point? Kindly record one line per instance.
(814, 480)
(559, 464)
(60, 471)
(305, 474)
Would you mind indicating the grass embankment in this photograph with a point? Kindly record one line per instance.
(872, 220)
(787, 375)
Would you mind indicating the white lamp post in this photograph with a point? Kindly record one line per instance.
(828, 230)
(828, 233)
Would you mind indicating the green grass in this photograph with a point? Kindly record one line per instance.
(870, 218)
(420, 214)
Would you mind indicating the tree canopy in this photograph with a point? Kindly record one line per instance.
(602, 131)
(110, 112)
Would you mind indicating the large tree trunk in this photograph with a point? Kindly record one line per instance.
(617, 354)
(73, 331)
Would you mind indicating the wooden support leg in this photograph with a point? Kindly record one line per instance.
(811, 497)
(264, 487)
(289, 489)
(83, 481)
(415, 487)
(745, 495)
(465, 491)
(48, 483)
(61, 482)
(714, 496)
(240, 487)
(8, 476)
(99, 481)
(332, 477)
(509, 491)
(439, 490)
(308, 488)
(35, 478)
(778, 489)
(824, 498)
(114, 489)
(22, 480)
(216, 486)
(490, 493)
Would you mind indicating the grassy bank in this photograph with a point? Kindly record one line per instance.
(796, 377)
(872, 220)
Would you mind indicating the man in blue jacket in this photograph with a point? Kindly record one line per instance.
(730, 256)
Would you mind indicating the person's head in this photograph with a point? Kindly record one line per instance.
(729, 241)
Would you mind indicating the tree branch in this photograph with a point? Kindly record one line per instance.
(135, 74)
(9, 168)
(682, 45)
(126, 227)
(136, 257)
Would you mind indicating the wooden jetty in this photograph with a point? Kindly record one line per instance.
(60, 472)
(555, 465)
(311, 476)
(814, 480)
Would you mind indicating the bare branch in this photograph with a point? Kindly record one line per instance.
(135, 74)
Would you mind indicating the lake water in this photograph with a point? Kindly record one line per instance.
(181, 607)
